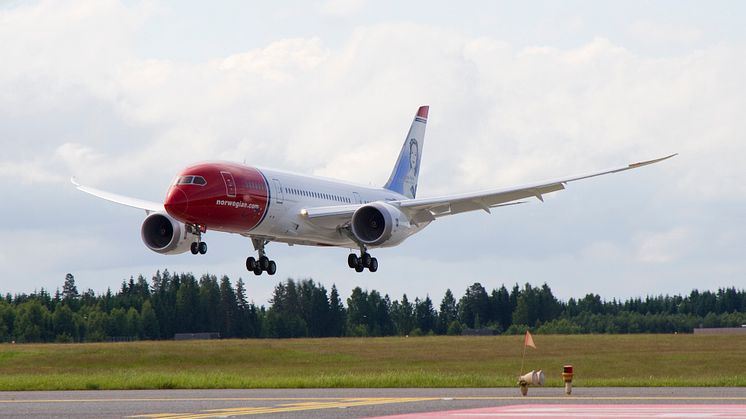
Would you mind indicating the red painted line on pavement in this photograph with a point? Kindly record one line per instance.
(631, 411)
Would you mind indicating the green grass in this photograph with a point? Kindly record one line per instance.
(599, 360)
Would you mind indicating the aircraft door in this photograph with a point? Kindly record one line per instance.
(230, 184)
(357, 197)
(279, 195)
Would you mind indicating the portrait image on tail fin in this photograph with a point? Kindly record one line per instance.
(410, 179)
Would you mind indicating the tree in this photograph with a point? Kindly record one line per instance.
(336, 314)
(314, 304)
(284, 317)
(228, 309)
(448, 313)
(187, 299)
(64, 327)
(133, 326)
(117, 324)
(474, 303)
(246, 318)
(150, 327)
(454, 328)
(403, 316)
(501, 309)
(96, 325)
(69, 290)
(358, 313)
(209, 305)
(30, 324)
(425, 315)
(379, 321)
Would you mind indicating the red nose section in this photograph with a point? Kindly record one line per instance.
(176, 203)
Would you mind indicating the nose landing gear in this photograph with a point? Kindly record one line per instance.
(198, 246)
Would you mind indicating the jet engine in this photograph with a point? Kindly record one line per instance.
(379, 223)
(162, 234)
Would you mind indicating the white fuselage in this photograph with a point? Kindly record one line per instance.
(291, 193)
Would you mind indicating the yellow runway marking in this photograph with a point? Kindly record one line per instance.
(177, 399)
(290, 407)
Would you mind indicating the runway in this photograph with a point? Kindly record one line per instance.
(354, 403)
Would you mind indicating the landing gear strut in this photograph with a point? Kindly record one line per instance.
(199, 246)
(263, 264)
(364, 261)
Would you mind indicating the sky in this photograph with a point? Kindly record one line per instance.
(123, 95)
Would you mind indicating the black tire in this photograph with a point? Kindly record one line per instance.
(202, 248)
(366, 260)
(272, 268)
(194, 248)
(257, 271)
(352, 260)
(250, 263)
(263, 263)
(359, 268)
(373, 265)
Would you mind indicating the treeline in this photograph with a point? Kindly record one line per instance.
(181, 303)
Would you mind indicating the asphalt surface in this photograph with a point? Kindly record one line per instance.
(339, 403)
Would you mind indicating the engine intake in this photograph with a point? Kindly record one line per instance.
(163, 234)
(379, 223)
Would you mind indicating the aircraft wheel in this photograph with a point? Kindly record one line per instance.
(359, 267)
(194, 248)
(272, 268)
(352, 260)
(250, 263)
(373, 265)
(263, 263)
(202, 247)
(366, 258)
(257, 271)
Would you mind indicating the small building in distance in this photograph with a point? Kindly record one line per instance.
(197, 336)
(720, 330)
(479, 332)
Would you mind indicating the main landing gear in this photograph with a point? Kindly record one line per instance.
(199, 246)
(364, 261)
(263, 264)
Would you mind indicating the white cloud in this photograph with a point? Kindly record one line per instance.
(664, 247)
(341, 8)
(658, 32)
(28, 172)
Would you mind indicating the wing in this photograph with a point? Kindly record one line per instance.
(428, 209)
(148, 206)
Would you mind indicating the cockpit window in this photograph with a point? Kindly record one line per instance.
(191, 180)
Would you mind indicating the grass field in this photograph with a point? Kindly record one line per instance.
(599, 360)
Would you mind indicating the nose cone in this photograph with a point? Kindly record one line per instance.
(176, 203)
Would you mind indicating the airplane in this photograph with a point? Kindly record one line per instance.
(268, 205)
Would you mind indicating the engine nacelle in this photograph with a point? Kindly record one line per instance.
(379, 223)
(162, 234)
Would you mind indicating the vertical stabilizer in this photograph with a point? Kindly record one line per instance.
(403, 178)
